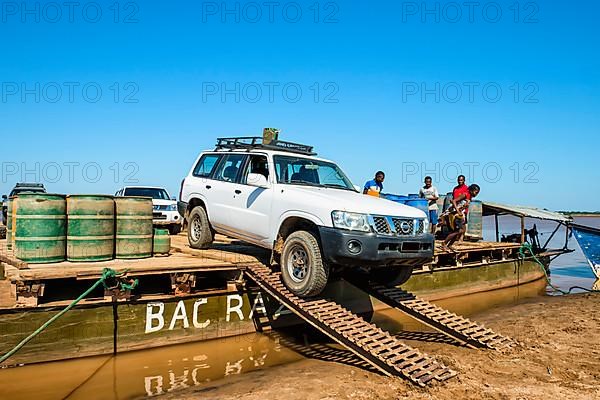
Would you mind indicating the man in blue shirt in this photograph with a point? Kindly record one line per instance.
(374, 187)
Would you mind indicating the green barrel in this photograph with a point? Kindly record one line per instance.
(9, 227)
(90, 228)
(39, 227)
(162, 241)
(134, 227)
(475, 220)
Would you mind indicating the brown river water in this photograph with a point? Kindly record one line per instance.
(153, 372)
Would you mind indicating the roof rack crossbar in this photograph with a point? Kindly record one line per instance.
(255, 142)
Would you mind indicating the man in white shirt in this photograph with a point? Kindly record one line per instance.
(430, 193)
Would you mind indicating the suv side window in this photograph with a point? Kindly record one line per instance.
(206, 165)
(257, 164)
(229, 168)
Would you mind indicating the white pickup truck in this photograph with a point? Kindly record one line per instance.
(164, 208)
(281, 197)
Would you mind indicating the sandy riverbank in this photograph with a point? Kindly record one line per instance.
(560, 359)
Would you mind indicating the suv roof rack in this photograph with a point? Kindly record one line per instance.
(255, 142)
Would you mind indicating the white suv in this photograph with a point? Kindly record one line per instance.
(281, 197)
(164, 213)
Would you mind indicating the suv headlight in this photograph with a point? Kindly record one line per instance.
(172, 207)
(351, 221)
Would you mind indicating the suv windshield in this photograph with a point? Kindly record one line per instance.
(159, 194)
(310, 172)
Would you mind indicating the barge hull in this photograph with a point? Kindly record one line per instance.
(107, 327)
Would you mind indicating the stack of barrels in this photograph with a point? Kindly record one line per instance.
(46, 228)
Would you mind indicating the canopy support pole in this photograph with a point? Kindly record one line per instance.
(522, 229)
(497, 231)
(552, 235)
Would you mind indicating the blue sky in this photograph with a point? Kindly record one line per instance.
(504, 92)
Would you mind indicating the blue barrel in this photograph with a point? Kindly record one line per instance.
(421, 204)
(397, 198)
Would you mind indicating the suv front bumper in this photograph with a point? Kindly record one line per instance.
(162, 217)
(375, 250)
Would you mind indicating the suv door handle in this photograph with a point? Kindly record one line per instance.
(237, 191)
(208, 186)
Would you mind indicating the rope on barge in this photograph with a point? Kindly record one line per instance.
(109, 279)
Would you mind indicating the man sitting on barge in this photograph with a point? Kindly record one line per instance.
(459, 211)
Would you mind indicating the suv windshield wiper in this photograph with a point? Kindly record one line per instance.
(333, 185)
(321, 185)
(306, 183)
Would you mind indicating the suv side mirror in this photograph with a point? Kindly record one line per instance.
(258, 180)
(173, 198)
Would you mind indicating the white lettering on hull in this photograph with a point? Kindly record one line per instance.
(197, 324)
(258, 306)
(155, 313)
(179, 314)
(151, 316)
(237, 308)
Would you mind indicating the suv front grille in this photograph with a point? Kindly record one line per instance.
(404, 226)
(398, 226)
(381, 225)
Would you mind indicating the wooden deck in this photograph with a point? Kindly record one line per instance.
(224, 255)
(467, 247)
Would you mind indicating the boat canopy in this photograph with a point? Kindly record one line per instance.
(522, 211)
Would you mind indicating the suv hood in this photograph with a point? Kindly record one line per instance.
(345, 200)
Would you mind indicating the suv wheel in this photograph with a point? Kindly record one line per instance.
(200, 235)
(302, 267)
(391, 277)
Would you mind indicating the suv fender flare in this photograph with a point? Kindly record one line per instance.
(312, 219)
(196, 199)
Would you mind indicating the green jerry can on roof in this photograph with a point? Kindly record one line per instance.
(90, 228)
(134, 227)
(39, 227)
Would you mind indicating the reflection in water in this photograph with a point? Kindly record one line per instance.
(148, 373)
(145, 373)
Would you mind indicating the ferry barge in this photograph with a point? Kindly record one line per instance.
(195, 295)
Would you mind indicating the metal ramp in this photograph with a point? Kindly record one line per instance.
(461, 329)
(377, 347)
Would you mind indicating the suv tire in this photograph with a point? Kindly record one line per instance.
(302, 267)
(391, 277)
(200, 235)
